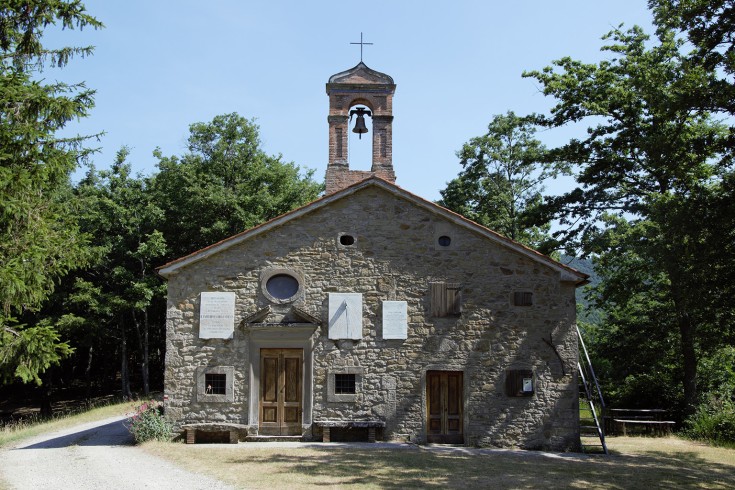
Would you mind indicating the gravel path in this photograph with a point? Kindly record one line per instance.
(97, 455)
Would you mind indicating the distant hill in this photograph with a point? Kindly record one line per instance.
(588, 313)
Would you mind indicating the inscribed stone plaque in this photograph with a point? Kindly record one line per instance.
(217, 315)
(345, 316)
(395, 320)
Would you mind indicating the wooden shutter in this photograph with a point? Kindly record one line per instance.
(446, 299)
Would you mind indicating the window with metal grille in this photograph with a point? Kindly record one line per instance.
(344, 384)
(216, 384)
(523, 298)
(519, 382)
(446, 299)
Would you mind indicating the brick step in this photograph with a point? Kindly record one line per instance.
(273, 439)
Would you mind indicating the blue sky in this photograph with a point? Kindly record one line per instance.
(162, 65)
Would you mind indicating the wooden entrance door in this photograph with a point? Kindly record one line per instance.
(444, 407)
(281, 379)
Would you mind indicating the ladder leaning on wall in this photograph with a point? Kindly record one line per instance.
(591, 433)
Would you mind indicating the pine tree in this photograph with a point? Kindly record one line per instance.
(39, 240)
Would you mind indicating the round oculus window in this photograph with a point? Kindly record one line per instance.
(282, 286)
(444, 241)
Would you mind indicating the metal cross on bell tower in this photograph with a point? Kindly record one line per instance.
(361, 43)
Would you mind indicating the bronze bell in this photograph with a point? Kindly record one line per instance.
(360, 127)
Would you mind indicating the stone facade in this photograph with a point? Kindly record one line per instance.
(372, 309)
(399, 248)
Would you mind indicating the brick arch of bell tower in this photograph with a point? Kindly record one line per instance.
(359, 86)
(369, 102)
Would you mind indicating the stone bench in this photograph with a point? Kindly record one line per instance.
(328, 425)
(212, 427)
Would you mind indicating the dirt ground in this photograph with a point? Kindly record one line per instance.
(96, 455)
(100, 455)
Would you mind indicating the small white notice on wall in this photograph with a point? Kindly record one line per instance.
(345, 316)
(217, 315)
(395, 320)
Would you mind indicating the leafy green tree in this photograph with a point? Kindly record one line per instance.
(225, 185)
(39, 240)
(709, 25)
(115, 306)
(647, 159)
(635, 349)
(116, 293)
(502, 179)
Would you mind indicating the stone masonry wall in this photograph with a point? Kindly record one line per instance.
(395, 257)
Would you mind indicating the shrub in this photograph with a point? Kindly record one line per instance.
(714, 421)
(148, 423)
(716, 372)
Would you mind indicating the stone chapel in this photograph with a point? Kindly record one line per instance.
(372, 313)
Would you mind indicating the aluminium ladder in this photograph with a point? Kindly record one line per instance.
(591, 433)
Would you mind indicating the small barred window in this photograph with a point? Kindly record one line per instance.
(216, 384)
(344, 384)
(523, 298)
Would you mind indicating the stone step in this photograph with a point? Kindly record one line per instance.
(273, 439)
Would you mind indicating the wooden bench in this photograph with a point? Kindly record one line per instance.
(328, 425)
(651, 419)
(233, 430)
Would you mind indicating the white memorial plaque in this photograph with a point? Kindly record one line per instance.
(395, 320)
(527, 385)
(345, 316)
(217, 315)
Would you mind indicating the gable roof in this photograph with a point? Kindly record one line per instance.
(567, 273)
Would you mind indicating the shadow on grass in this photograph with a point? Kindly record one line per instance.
(414, 468)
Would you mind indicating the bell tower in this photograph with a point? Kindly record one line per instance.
(366, 87)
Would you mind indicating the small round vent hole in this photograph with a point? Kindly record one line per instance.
(444, 241)
(346, 240)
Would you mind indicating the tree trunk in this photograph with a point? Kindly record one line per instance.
(124, 375)
(689, 356)
(88, 373)
(143, 348)
(146, 378)
(46, 391)
(687, 333)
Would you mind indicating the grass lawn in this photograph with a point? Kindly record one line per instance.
(636, 462)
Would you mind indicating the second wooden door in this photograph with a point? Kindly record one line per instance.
(444, 407)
